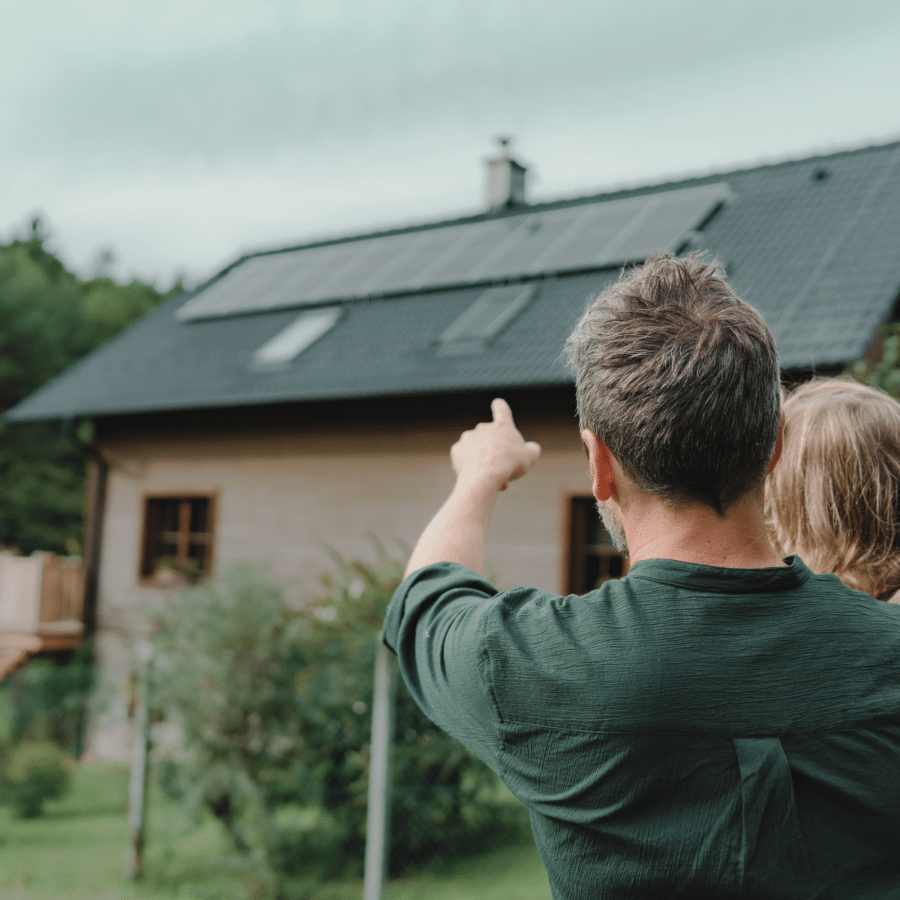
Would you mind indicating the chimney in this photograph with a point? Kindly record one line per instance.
(505, 184)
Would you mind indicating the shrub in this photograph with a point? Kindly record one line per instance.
(35, 773)
(45, 700)
(274, 707)
(445, 802)
(227, 656)
(884, 371)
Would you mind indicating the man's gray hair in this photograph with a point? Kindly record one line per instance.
(679, 378)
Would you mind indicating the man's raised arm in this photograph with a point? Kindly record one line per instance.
(485, 460)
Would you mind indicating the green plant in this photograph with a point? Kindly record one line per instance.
(227, 654)
(187, 571)
(36, 772)
(45, 700)
(883, 372)
(445, 802)
(274, 706)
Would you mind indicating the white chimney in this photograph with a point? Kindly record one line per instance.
(505, 183)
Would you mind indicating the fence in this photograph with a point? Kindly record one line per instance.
(41, 604)
(460, 811)
(62, 595)
(41, 593)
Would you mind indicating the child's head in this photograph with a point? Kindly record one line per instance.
(834, 496)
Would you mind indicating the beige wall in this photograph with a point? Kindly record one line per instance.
(284, 498)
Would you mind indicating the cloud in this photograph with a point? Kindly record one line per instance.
(124, 120)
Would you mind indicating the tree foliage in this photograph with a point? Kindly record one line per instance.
(49, 319)
(274, 707)
(884, 371)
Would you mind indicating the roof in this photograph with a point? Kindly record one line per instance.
(813, 244)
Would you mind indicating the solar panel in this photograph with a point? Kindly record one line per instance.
(662, 218)
(465, 247)
(423, 248)
(255, 277)
(470, 249)
(299, 271)
(538, 233)
(535, 242)
(402, 252)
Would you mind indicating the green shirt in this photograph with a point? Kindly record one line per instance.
(683, 732)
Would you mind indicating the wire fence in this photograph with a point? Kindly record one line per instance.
(456, 808)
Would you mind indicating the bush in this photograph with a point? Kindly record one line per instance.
(445, 802)
(35, 773)
(227, 656)
(45, 700)
(884, 372)
(274, 707)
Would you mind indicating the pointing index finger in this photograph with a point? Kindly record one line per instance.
(502, 412)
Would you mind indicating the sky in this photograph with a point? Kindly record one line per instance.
(174, 136)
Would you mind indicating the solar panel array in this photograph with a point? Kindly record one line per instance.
(532, 243)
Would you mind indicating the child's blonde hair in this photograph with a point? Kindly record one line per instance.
(834, 496)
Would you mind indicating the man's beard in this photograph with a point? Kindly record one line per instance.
(613, 526)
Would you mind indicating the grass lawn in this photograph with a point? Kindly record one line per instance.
(76, 851)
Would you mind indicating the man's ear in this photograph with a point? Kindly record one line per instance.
(779, 443)
(600, 464)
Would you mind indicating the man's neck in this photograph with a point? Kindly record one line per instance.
(698, 534)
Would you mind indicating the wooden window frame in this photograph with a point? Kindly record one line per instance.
(184, 535)
(578, 507)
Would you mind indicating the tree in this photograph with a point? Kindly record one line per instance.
(40, 309)
(50, 318)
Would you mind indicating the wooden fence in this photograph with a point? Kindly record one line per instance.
(41, 601)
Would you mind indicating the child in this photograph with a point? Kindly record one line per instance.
(834, 496)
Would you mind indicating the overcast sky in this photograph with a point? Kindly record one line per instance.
(178, 134)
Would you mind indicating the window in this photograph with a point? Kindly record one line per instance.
(593, 557)
(484, 319)
(290, 342)
(177, 538)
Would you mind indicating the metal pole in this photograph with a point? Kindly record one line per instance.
(384, 701)
(137, 783)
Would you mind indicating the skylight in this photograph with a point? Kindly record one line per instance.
(485, 318)
(289, 343)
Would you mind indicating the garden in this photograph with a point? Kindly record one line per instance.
(266, 797)
(76, 850)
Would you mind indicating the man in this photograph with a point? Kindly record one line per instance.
(719, 723)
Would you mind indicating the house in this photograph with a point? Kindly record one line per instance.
(306, 397)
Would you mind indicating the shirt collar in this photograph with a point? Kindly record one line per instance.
(722, 580)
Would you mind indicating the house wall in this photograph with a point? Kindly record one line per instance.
(284, 497)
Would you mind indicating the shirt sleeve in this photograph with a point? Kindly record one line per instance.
(436, 623)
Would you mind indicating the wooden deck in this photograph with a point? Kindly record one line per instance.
(41, 607)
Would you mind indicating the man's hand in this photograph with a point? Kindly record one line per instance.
(486, 459)
(494, 453)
